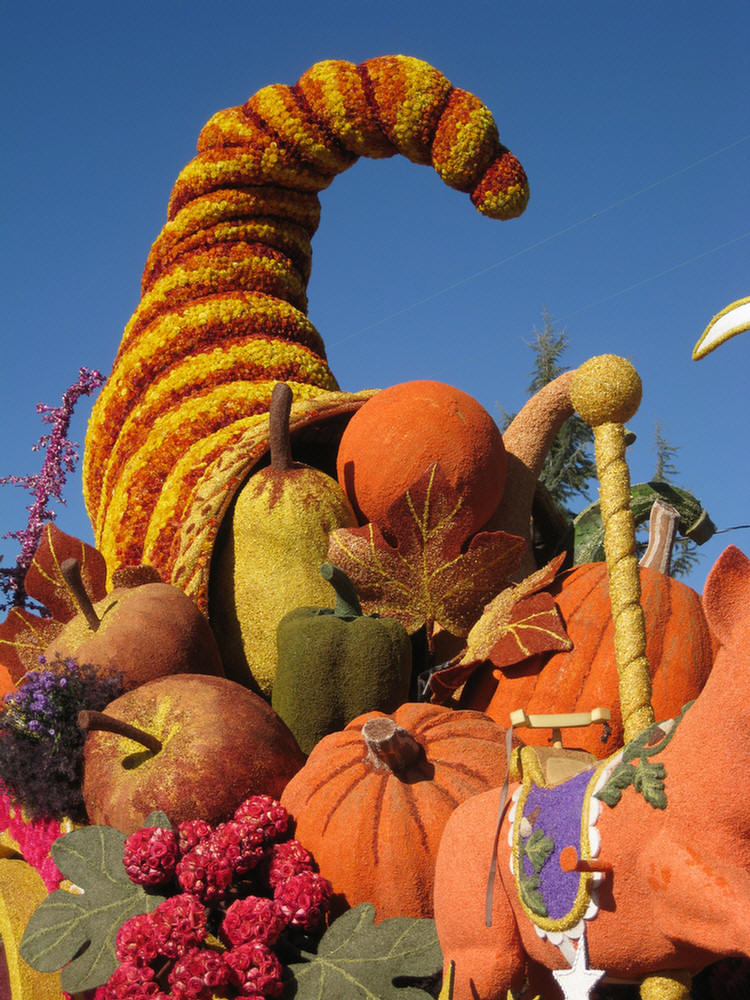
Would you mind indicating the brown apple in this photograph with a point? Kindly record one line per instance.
(140, 630)
(212, 741)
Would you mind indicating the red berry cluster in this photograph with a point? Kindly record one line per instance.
(238, 892)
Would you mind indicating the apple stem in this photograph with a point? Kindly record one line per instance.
(91, 720)
(278, 427)
(71, 573)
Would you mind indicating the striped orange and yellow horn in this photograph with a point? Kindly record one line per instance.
(222, 315)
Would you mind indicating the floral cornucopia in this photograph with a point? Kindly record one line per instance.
(166, 831)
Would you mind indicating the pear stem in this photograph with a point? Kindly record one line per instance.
(90, 720)
(70, 570)
(279, 410)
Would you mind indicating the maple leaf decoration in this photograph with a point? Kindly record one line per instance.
(24, 636)
(428, 574)
(520, 621)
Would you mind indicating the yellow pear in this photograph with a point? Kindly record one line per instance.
(21, 891)
(269, 552)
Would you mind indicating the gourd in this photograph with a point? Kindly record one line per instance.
(679, 648)
(21, 891)
(372, 800)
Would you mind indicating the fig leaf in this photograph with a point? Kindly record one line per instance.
(77, 929)
(358, 960)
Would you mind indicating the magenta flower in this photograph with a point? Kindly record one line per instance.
(60, 459)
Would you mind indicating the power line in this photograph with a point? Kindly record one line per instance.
(563, 232)
(660, 274)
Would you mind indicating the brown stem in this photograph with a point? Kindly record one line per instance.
(662, 530)
(553, 530)
(90, 720)
(527, 440)
(71, 573)
(278, 427)
(389, 746)
(430, 635)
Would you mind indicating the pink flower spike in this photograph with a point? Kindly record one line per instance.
(60, 459)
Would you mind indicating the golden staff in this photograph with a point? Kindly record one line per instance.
(606, 392)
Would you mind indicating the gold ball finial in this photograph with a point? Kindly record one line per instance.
(606, 390)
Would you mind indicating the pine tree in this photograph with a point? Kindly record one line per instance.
(666, 469)
(569, 466)
(569, 469)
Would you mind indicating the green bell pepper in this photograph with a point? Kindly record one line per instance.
(337, 663)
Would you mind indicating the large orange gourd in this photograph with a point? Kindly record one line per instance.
(680, 650)
(372, 800)
(400, 432)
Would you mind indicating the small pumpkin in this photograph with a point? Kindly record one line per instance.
(679, 648)
(372, 800)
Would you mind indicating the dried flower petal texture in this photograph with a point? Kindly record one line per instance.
(223, 309)
(523, 619)
(434, 571)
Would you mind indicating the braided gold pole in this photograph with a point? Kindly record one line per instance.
(606, 392)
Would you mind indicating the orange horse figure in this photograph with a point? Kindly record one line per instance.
(657, 879)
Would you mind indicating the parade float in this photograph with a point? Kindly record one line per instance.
(310, 718)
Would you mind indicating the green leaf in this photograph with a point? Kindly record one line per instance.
(589, 530)
(639, 745)
(529, 886)
(621, 778)
(649, 782)
(78, 931)
(358, 960)
(158, 818)
(538, 849)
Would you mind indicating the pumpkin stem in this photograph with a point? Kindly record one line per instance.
(390, 747)
(662, 530)
(278, 427)
(70, 570)
(89, 720)
(347, 602)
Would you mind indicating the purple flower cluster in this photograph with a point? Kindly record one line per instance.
(60, 459)
(41, 744)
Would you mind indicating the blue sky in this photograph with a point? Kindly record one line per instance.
(631, 119)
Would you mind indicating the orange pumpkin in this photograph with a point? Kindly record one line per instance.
(402, 431)
(679, 647)
(372, 800)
